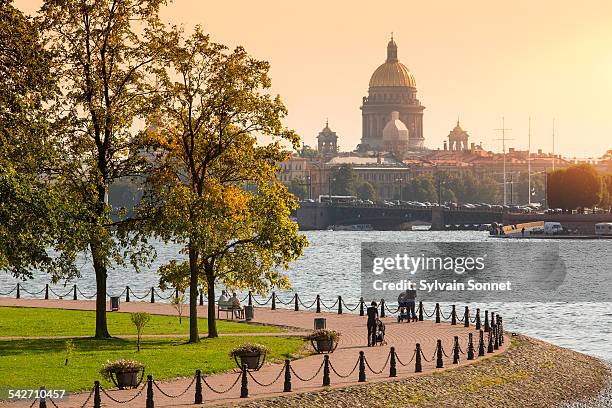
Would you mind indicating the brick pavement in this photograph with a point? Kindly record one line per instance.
(403, 336)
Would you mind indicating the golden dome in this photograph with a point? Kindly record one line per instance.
(392, 72)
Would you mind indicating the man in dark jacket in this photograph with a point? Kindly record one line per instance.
(372, 317)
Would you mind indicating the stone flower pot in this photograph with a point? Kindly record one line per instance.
(128, 378)
(253, 361)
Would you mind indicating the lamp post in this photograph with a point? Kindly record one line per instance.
(401, 194)
(329, 180)
(309, 187)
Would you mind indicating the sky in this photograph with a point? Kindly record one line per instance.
(475, 60)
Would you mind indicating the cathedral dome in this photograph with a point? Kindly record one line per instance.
(392, 72)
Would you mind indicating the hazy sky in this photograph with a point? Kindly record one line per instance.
(479, 60)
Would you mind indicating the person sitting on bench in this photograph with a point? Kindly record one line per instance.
(236, 306)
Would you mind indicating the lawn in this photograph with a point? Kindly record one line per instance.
(30, 363)
(29, 322)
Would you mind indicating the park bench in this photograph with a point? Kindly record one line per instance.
(227, 307)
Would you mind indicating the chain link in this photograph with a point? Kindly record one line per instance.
(311, 378)
(343, 376)
(269, 384)
(225, 391)
(178, 395)
(125, 401)
(400, 361)
(383, 367)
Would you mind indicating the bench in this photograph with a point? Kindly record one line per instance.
(228, 308)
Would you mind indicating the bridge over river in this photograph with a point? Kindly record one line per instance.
(318, 216)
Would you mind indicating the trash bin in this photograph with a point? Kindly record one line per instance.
(320, 323)
(249, 312)
(114, 303)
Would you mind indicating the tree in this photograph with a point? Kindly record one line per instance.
(556, 194)
(344, 180)
(421, 188)
(34, 233)
(212, 106)
(366, 191)
(139, 320)
(576, 187)
(101, 56)
(308, 152)
(606, 193)
(299, 188)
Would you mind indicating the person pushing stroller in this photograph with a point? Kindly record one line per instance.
(407, 304)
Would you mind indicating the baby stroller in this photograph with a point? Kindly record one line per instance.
(380, 333)
(403, 312)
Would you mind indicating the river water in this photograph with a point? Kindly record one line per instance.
(330, 267)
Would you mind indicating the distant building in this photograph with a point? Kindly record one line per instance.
(327, 141)
(392, 88)
(458, 138)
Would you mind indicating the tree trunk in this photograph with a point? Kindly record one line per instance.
(212, 321)
(194, 336)
(100, 269)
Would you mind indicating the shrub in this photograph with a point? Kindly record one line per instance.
(247, 348)
(323, 334)
(111, 367)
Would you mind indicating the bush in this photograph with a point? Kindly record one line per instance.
(111, 367)
(248, 348)
(323, 334)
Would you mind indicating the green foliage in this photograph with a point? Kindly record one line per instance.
(366, 191)
(18, 321)
(344, 180)
(140, 320)
(421, 188)
(164, 358)
(113, 367)
(248, 348)
(576, 187)
(308, 152)
(208, 153)
(70, 348)
(299, 188)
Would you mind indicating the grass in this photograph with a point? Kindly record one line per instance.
(30, 363)
(31, 322)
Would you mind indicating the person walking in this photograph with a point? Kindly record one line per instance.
(410, 299)
(372, 318)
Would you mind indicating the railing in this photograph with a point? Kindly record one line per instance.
(362, 366)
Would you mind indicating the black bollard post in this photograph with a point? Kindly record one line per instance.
(97, 400)
(362, 373)
(437, 313)
(339, 304)
(127, 294)
(74, 295)
(42, 393)
(456, 351)
(439, 360)
(490, 346)
(492, 321)
(150, 403)
(361, 311)
(418, 367)
(481, 346)
(152, 294)
(477, 319)
(198, 388)
(318, 303)
(201, 297)
(392, 363)
(500, 327)
(466, 317)
(454, 316)
(250, 298)
(244, 388)
(326, 379)
(296, 305)
(18, 295)
(273, 301)
(382, 307)
(496, 338)
(470, 350)
(287, 383)
(47, 291)
(486, 322)
(420, 311)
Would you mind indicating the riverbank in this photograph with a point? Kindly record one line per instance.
(531, 373)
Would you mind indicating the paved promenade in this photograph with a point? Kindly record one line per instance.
(403, 336)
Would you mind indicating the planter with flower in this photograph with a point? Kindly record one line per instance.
(253, 355)
(123, 373)
(324, 340)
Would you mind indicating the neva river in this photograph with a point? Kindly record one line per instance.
(331, 267)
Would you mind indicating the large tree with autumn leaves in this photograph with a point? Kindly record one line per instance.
(213, 187)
